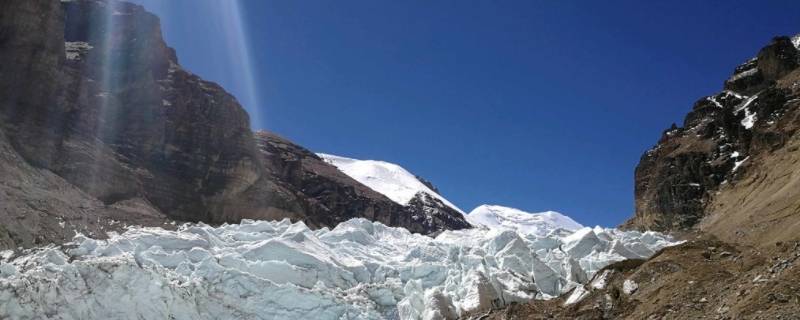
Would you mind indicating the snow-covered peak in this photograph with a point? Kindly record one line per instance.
(796, 41)
(540, 224)
(389, 179)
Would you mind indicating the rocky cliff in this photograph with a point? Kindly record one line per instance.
(735, 152)
(727, 181)
(95, 109)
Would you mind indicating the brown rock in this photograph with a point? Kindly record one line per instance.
(679, 181)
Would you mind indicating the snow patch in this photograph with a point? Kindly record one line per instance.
(731, 93)
(743, 74)
(713, 100)
(74, 50)
(577, 295)
(745, 104)
(738, 164)
(749, 119)
(6, 255)
(600, 281)
(284, 270)
(749, 116)
(629, 286)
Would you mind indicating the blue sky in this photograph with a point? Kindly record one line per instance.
(539, 105)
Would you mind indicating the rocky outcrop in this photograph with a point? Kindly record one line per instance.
(38, 206)
(722, 140)
(113, 113)
(93, 100)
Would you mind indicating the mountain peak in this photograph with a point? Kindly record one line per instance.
(540, 224)
(389, 179)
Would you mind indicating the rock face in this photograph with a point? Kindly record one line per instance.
(723, 142)
(93, 102)
(40, 132)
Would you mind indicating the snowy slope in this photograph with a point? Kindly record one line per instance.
(280, 270)
(540, 224)
(389, 179)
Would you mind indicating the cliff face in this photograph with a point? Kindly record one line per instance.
(38, 130)
(730, 145)
(100, 100)
(91, 97)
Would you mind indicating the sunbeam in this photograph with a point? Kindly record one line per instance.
(227, 19)
(237, 44)
(101, 35)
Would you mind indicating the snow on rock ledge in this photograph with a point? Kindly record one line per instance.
(280, 270)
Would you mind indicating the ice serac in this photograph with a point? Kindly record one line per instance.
(713, 167)
(542, 223)
(283, 270)
(404, 188)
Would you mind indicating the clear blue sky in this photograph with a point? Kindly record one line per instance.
(539, 105)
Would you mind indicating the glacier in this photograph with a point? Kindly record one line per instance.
(283, 270)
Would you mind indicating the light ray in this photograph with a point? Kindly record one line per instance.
(238, 46)
(228, 16)
(104, 32)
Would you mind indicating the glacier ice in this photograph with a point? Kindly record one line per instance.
(629, 286)
(283, 270)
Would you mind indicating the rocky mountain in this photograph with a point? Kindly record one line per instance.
(419, 196)
(99, 120)
(732, 164)
(332, 193)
